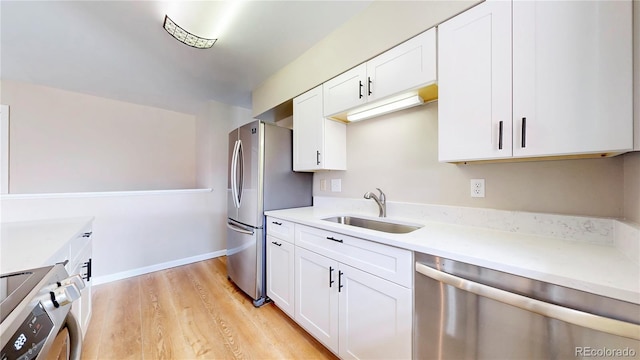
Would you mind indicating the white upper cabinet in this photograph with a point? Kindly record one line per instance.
(571, 88)
(572, 77)
(318, 143)
(345, 91)
(474, 84)
(408, 66)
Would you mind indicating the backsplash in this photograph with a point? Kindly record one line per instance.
(603, 231)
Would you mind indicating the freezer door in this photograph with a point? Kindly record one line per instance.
(249, 184)
(245, 258)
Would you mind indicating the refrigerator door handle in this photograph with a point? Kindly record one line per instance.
(241, 170)
(236, 228)
(234, 171)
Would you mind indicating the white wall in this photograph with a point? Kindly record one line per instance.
(399, 153)
(381, 26)
(62, 141)
(136, 231)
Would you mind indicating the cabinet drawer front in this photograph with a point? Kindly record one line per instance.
(388, 262)
(77, 246)
(281, 229)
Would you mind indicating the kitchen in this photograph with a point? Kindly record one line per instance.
(137, 233)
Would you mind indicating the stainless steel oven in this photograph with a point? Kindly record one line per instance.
(35, 317)
(464, 311)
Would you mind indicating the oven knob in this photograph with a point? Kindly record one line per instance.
(75, 280)
(61, 296)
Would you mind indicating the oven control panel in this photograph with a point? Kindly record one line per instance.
(29, 339)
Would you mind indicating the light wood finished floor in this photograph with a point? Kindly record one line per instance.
(190, 312)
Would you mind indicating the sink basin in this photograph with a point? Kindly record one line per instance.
(378, 225)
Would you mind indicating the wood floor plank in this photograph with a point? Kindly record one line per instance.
(198, 327)
(161, 332)
(121, 334)
(191, 312)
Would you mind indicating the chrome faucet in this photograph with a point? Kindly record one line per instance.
(381, 201)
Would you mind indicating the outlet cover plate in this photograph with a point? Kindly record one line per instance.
(336, 185)
(477, 188)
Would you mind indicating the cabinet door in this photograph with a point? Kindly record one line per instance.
(280, 274)
(474, 84)
(317, 296)
(572, 77)
(345, 91)
(375, 317)
(308, 130)
(81, 308)
(407, 66)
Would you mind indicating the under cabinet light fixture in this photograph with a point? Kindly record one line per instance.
(401, 104)
(186, 37)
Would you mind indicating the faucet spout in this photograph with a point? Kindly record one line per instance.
(380, 200)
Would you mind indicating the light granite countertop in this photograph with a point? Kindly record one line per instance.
(600, 267)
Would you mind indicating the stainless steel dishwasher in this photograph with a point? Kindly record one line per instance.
(464, 311)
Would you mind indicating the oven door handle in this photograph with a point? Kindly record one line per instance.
(575, 317)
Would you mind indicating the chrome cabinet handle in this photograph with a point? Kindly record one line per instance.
(571, 316)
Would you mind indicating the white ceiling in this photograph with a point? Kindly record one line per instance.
(119, 50)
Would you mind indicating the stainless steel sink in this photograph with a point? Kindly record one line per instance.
(384, 226)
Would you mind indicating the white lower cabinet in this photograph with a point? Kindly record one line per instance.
(280, 278)
(354, 313)
(317, 296)
(81, 308)
(375, 317)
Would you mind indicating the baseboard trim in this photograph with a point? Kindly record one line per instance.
(98, 280)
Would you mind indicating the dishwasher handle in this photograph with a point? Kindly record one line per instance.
(575, 317)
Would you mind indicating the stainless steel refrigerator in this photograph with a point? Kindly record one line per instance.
(260, 178)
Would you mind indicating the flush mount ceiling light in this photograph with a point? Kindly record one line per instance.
(186, 37)
(385, 108)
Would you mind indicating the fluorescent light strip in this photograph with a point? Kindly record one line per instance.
(387, 108)
(186, 37)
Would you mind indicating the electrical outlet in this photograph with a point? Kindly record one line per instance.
(477, 188)
(336, 185)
